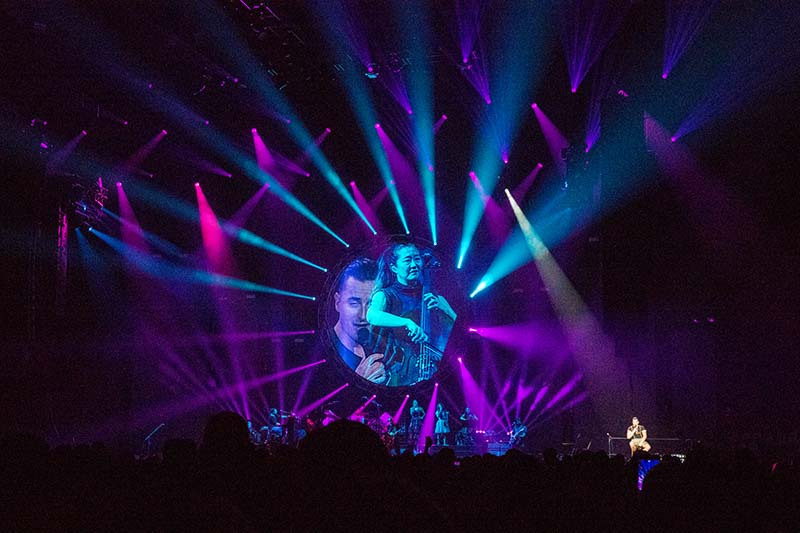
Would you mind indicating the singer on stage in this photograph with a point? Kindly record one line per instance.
(415, 425)
(637, 437)
(396, 311)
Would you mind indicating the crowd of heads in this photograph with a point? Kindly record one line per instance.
(342, 477)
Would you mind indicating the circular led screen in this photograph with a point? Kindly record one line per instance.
(390, 313)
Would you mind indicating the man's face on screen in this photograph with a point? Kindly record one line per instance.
(351, 303)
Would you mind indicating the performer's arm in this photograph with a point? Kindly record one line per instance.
(644, 435)
(629, 434)
(378, 317)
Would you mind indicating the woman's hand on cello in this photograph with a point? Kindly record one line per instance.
(434, 301)
(415, 332)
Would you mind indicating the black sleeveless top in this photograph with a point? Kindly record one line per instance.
(400, 354)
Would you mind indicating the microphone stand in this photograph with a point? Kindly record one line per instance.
(148, 439)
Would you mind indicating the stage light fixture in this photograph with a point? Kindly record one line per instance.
(372, 71)
(479, 288)
(87, 202)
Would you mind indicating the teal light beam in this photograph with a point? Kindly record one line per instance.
(625, 167)
(415, 28)
(185, 211)
(513, 253)
(153, 239)
(239, 53)
(165, 270)
(248, 237)
(330, 16)
(516, 66)
(117, 65)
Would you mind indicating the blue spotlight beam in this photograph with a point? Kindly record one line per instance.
(118, 66)
(332, 17)
(162, 269)
(151, 238)
(414, 21)
(253, 170)
(185, 211)
(248, 237)
(625, 167)
(516, 69)
(239, 53)
(510, 257)
(216, 141)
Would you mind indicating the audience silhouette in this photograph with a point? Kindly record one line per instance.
(342, 478)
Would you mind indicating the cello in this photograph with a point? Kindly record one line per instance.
(429, 352)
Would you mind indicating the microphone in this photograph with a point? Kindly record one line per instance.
(364, 336)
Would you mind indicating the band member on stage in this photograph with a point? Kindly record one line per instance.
(273, 431)
(390, 437)
(442, 425)
(352, 297)
(395, 309)
(468, 419)
(415, 425)
(255, 436)
(518, 433)
(637, 436)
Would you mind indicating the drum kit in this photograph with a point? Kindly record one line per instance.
(287, 429)
(465, 437)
